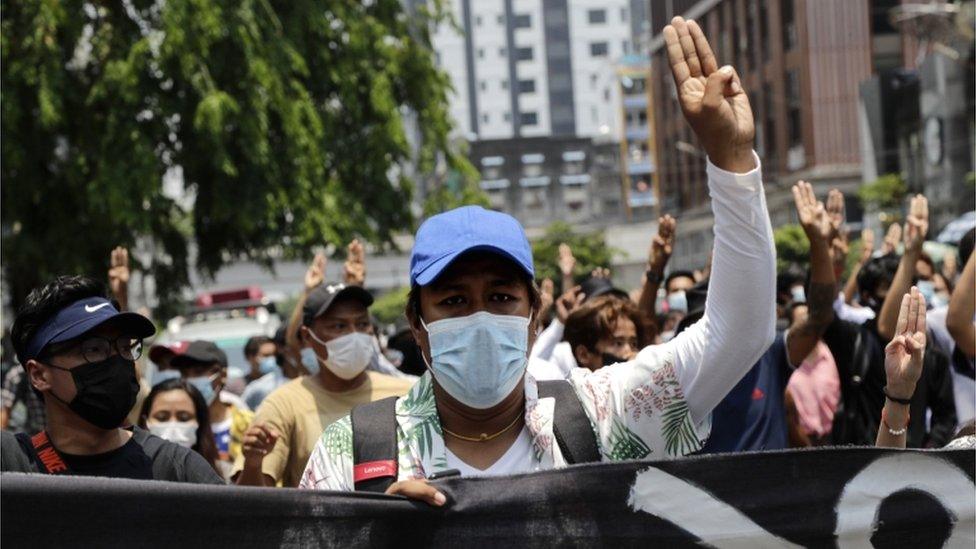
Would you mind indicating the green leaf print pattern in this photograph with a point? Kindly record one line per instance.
(624, 444)
(338, 438)
(679, 433)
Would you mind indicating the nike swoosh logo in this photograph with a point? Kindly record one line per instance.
(90, 309)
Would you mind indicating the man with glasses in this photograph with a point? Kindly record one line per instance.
(339, 346)
(79, 353)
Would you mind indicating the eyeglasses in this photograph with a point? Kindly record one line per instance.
(97, 349)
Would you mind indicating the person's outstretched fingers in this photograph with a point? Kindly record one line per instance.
(706, 56)
(418, 490)
(676, 57)
(687, 46)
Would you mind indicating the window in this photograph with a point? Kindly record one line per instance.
(501, 19)
(606, 94)
(599, 49)
(481, 53)
(523, 21)
(593, 80)
(502, 51)
(594, 116)
(625, 47)
(596, 17)
(523, 54)
(507, 117)
(504, 84)
(764, 44)
(623, 15)
(484, 118)
(477, 21)
(529, 118)
(483, 85)
(793, 118)
(526, 86)
(789, 25)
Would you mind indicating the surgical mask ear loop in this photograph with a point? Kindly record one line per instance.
(422, 355)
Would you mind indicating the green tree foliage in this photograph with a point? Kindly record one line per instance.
(285, 119)
(390, 306)
(792, 247)
(589, 249)
(884, 192)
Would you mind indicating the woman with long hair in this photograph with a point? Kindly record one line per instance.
(176, 411)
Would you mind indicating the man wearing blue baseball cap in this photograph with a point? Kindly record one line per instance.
(473, 308)
(79, 352)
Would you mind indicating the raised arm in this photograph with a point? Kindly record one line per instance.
(867, 249)
(739, 320)
(820, 296)
(903, 368)
(916, 227)
(118, 276)
(354, 269)
(661, 247)
(959, 319)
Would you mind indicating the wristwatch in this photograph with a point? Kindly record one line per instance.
(653, 277)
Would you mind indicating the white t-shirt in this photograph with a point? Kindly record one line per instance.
(518, 459)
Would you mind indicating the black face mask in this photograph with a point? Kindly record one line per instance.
(106, 391)
(609, 359)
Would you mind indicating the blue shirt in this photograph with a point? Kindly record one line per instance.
(752, 416)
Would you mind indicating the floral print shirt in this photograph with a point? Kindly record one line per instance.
(636, 409)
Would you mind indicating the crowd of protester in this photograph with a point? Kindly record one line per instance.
(732, 357)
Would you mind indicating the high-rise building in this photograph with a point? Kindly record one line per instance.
(801, 62)
(531, 70)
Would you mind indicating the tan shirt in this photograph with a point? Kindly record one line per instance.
(301, 409)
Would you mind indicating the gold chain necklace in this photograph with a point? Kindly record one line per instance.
(484, 436)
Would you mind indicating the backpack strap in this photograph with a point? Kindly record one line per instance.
(374, 445)
(42, 453)
(570, 425)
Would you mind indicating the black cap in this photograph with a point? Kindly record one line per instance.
(200, 351)
(321, 298)
(597, 286)
(696, 305)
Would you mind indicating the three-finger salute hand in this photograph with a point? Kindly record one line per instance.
(711, 98)
(813, 216)
(315, 274)
(662, 245)
(418, 490)
(905, 352)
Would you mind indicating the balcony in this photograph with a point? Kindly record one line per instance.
(494, 184)
(539, 181)
(640, 167)
(579, 179)
(637, 133)
(637, 101)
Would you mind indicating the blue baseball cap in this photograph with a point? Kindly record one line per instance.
(83, 316)
(443, 237)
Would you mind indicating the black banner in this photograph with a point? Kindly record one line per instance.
(849, 497)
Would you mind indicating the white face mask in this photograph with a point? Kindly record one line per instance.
(183, 433)
(349, 355)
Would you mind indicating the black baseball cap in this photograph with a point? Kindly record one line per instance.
(321, 298)
(200, 351)
(597, 286)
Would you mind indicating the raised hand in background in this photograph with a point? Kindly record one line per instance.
(118, 276)
(354, 269)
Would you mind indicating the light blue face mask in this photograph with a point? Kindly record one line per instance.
(268, 365)
(204, 384)
(478, 359)
(164, 375)
(310, 361)
(927, 289)
(678, 301)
